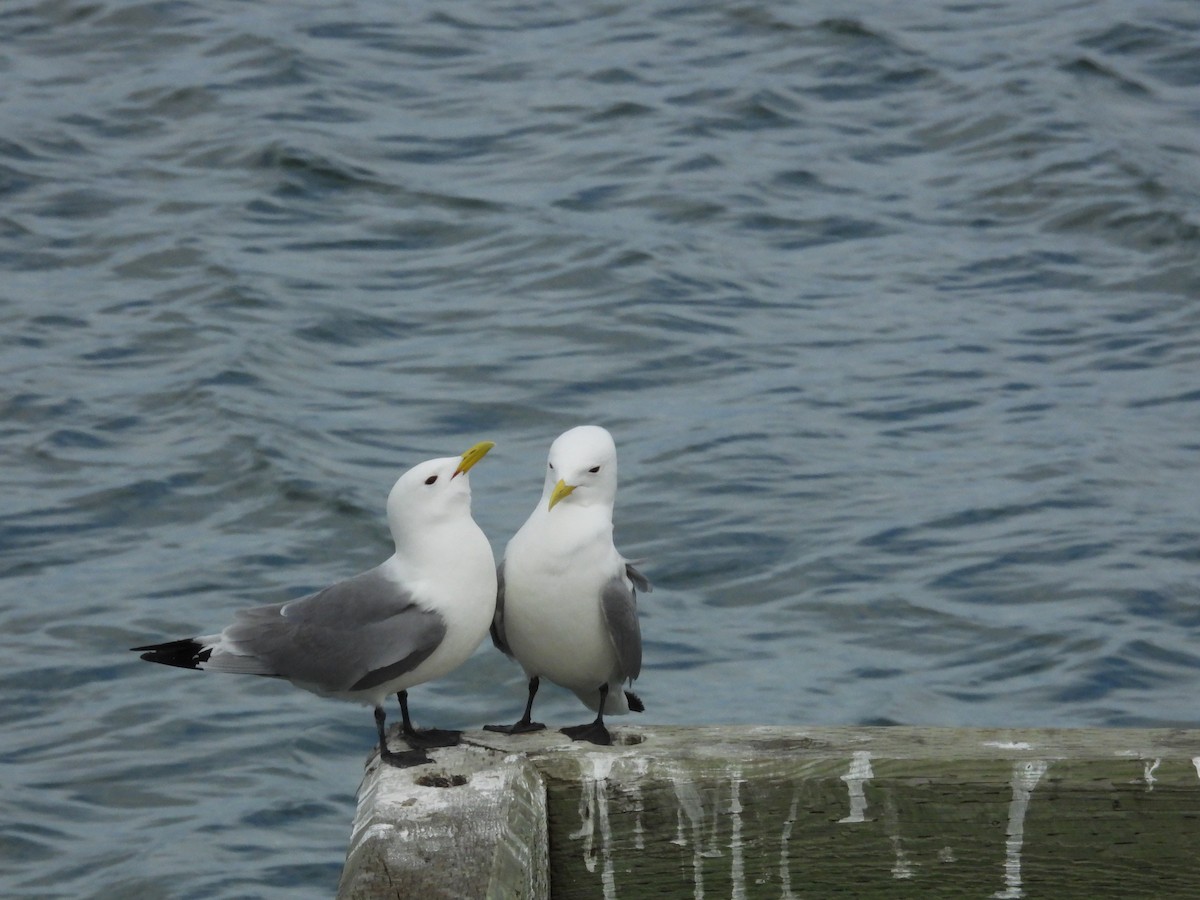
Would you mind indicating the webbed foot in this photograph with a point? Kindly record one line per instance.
(431, 738)
(522, 727)
(593, 732)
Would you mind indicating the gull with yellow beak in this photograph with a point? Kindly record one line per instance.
(567, 603)
(415, 617)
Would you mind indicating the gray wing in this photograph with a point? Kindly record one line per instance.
(497, 629)
(353, 635)
(619, 604)
(640, 581)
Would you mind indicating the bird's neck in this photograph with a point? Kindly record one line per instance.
(434, 544)
(576, 525)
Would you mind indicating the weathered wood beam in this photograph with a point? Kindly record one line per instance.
(791, 812)
(472, 824)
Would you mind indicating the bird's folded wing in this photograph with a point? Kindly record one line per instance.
(351, 636)
(640, 581)
(620, 617)
(499, 640)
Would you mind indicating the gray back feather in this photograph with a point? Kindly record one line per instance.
(619, 604)
(351, 636)
(640, 581)
(497, 630)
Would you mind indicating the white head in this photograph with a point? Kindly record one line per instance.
(432, 492)
(582, 469)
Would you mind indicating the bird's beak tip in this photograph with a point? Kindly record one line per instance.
(561, 490)
(472, 456)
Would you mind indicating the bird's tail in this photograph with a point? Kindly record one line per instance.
(617, 702)
(185, 654)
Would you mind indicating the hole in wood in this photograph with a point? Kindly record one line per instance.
(442, 780)
(627, 738)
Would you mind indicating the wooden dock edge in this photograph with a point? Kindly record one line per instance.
(471, 824)
(781, 812)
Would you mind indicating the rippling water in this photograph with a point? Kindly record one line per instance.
(894, 311)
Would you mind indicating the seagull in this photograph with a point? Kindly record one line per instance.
(566, 607)
(415, 617)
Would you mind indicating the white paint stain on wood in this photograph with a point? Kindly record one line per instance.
(691, 807)
(1026, 775)
(595, 769)
(860, 773)
(785, 872)
(641, 766)
(737, 860)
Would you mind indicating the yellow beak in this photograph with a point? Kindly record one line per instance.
(472, 456)
(561, 490)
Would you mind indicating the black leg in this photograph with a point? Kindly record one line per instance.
(425, 738)
(399, 760)
(594, 732)
(407, 725)
(525, 724)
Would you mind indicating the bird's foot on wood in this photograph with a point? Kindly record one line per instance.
(431, 738)
(593, 732)
(404, 760)
(522, 727)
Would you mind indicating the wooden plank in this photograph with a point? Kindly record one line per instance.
(471, 825)
(856, 812)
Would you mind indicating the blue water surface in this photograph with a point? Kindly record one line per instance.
(893, 309)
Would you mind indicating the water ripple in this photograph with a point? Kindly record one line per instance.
(893, 315)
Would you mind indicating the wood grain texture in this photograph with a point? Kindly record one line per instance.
(854, 812)
(473, 824)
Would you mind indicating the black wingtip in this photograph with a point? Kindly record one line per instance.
(635, 702)
(185, 654)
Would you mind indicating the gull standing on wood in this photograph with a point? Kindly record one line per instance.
(413, 618)
(567, 605)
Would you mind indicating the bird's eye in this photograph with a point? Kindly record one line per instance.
(594, 469)
(551, 466)
(431, 479)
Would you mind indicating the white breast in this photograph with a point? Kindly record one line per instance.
(457, 579)
(554, 574)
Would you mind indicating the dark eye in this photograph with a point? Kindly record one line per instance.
(431, 479)
(551, 467)
(594, 469)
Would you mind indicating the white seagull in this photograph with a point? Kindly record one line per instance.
(567, 605)
(413, 618)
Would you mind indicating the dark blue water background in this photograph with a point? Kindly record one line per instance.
(894, 310)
